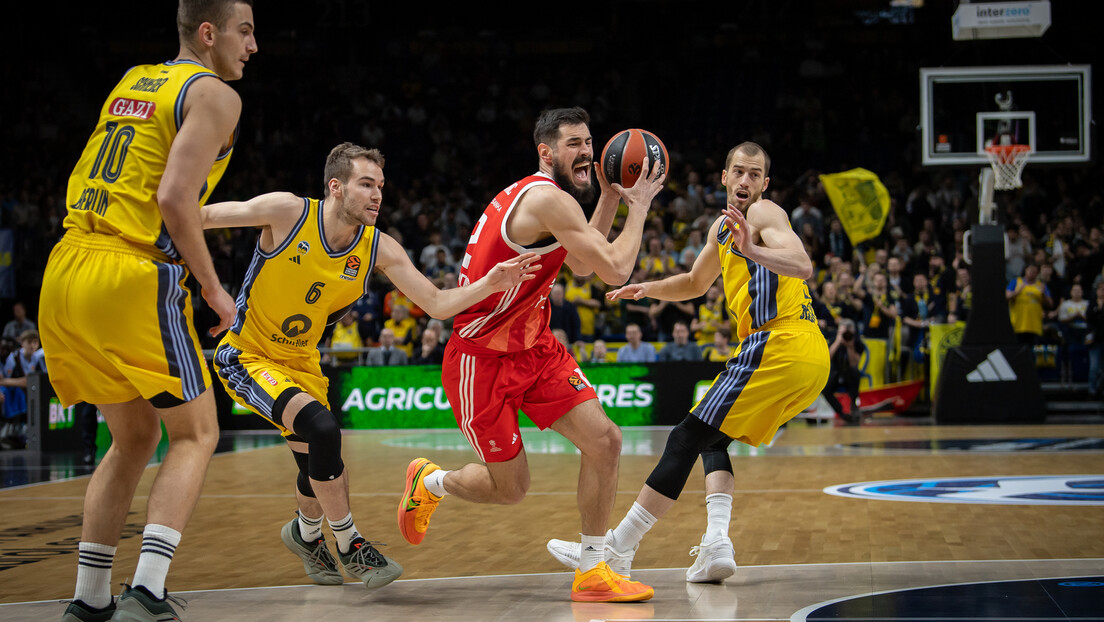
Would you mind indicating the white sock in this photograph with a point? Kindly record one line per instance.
(435, 483)
(94, 574)
(310, 529)
(344, 532)
(630, 531)
(158, 546)
(592, 551)
(718, 509)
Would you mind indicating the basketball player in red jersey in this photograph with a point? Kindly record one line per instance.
(502, 356)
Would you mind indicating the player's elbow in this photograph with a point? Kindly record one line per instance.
(170, 203)
(611, 275)
(804, 268)
(439, 314)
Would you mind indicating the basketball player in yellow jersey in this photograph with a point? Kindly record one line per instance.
(312, 262)
(779, 367)
(116, 319)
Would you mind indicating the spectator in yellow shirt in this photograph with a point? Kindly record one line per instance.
(404, 327)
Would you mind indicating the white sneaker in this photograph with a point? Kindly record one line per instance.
(715, 562)
(567, 553)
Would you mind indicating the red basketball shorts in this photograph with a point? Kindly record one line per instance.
(486, 392)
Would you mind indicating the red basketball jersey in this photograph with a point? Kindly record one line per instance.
(512, 320)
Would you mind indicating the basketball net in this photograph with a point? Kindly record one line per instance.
(1008, 162)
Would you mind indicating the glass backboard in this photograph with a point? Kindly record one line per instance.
(1050, 112)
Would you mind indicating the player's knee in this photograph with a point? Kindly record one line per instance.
(684, 444)
(513, 492)
(604, 442)
(138, 440)
(303, 485)
(715, 456)
(207, 435)
(714, 460)
(319, 428)
(302, 481)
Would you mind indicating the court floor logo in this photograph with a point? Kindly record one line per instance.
(1006, 490)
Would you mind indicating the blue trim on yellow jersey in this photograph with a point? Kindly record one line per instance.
(372, 264)
(180, 353)
(763, 290)
(240, 382)
(225, 153)
(726, 389)
(184, 61)
(322, 235)
(291, 236)
(178, 108)
(243, 296)
(165, 244)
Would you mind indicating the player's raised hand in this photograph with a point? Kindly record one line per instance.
(635, 291)
(645, 189)
(738, 226)
(511, 272)
(603, 183)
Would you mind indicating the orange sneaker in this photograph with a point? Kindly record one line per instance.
(602, 585)
(417, 504)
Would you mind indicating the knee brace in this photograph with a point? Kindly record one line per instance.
(715, 456)
(319, 428)
(281, 403)
(687, 440)
(302, 481)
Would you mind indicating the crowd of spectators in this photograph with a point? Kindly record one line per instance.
(455, 124)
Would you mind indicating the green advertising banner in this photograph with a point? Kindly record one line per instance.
(411, 396)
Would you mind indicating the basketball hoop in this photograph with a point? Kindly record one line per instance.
(1008, 162)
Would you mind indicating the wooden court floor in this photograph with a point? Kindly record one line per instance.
(795, 544)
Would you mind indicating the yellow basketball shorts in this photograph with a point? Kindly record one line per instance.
(256, 381)
(116, 324)
(773, 376)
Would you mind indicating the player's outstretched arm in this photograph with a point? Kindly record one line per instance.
(443, 304)
(781, 252)
(260, 211)
(706, 269)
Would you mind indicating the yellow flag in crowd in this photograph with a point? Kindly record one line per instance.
(860, 201)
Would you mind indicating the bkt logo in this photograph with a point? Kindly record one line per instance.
(1038, 490)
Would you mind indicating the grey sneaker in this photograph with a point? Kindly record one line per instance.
(715, 562)
(318, 562)
(567, 553)
(79, 611)
(364, 562)
(137, 604)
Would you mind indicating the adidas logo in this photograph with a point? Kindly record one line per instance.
(994, 368)
(295, 259)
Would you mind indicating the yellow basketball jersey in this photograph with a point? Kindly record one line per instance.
(293, 292)
(755, 296)
(113, 189)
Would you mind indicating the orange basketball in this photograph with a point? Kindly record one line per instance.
(623, 154)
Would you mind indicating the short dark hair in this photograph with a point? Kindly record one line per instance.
(548, 125)
(191, 13)
(339, 164)
(751, 149)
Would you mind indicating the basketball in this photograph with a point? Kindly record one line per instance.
(623, 154)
